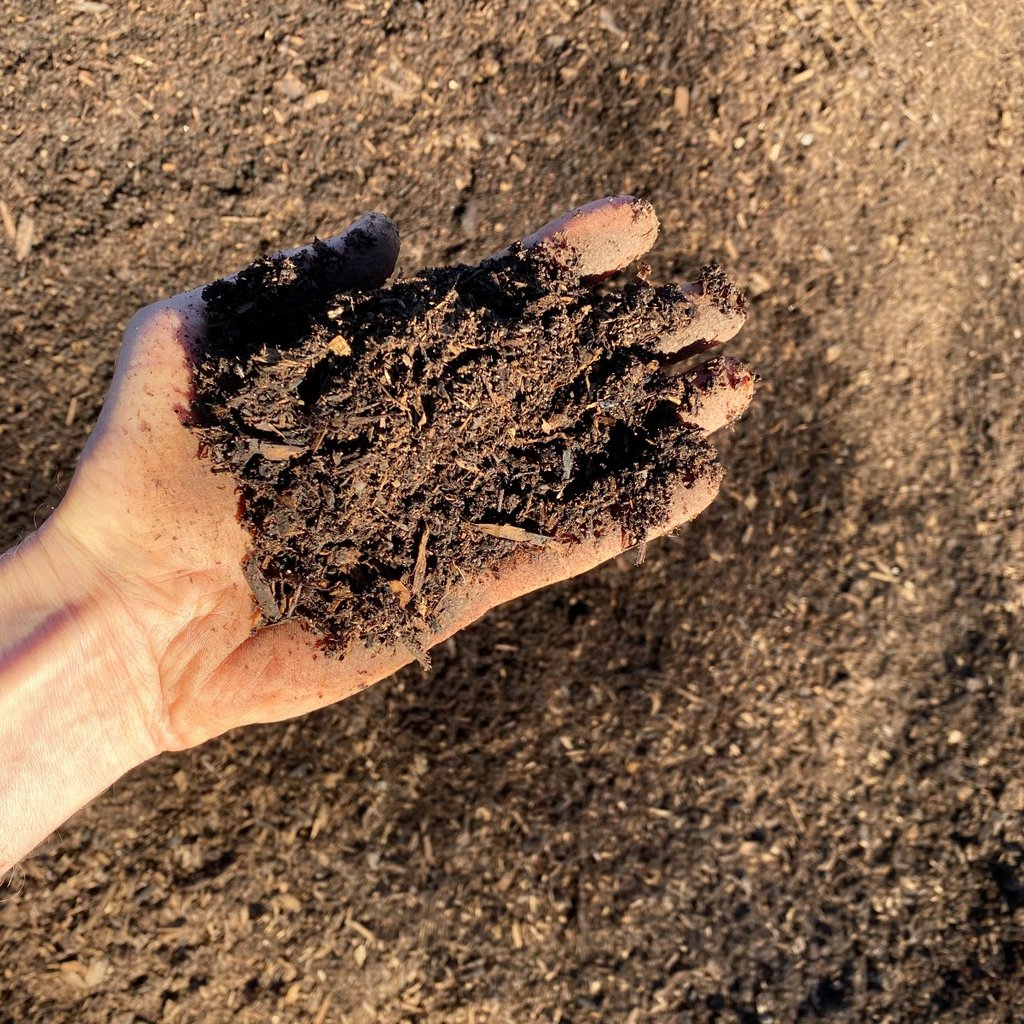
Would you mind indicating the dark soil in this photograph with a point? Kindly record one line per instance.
(391, 444)
(774, 775)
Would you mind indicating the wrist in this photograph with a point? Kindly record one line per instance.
(71, 718)
(115, 649)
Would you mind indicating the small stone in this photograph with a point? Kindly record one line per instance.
(290, 86)
(317, 98)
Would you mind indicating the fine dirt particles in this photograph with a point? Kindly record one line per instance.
(772, 775)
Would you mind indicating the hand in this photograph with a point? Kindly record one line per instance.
(148, 521)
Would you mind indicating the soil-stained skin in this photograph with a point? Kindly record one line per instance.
(387, 444)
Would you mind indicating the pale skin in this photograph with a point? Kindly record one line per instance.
(127, 627)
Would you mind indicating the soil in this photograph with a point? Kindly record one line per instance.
(388, 445)
(772, 775)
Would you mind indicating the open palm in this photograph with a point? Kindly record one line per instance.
(151, 517)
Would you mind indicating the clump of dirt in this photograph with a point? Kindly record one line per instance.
(389, 443)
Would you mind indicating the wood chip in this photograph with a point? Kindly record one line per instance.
(279, 452)
(858, 20)
(681, 101)
(512, 533)
(321, 1014)
(290, 86)
(316, 98)
(10, 229)
(23, 238)
(401, 591)
(361, 929)
(97, 972)
(420, 569)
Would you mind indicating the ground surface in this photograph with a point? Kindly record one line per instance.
(772, 775)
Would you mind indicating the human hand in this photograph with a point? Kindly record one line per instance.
(148, 521)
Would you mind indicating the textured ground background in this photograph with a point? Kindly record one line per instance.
(775, 774)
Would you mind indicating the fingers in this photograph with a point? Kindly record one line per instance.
(711, 396)
(700, 316)
(715, 394)
(690, 498)
(530, 570)
(364, 255)
(602, 237)
(599, 238)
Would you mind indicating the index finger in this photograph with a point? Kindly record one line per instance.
(598, 239)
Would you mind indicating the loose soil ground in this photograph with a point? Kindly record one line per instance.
(772, 775)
